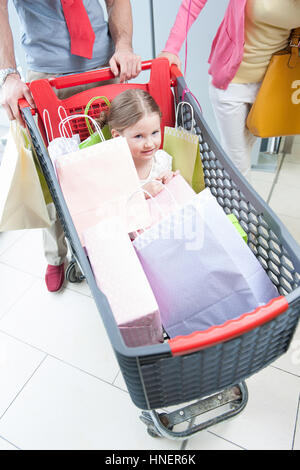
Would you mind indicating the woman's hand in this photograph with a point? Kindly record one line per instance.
(172, 58)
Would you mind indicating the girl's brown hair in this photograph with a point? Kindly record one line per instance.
(128, 108)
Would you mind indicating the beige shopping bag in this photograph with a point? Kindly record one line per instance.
(183, 146)
(22, 202)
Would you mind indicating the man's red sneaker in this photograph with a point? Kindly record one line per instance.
(55, 276)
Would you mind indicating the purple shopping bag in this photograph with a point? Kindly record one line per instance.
(201, 271)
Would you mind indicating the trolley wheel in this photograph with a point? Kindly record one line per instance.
(151, 428)
(73, 274)
(152, 432)
(165, 421)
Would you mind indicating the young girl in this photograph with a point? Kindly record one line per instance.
(135, 115)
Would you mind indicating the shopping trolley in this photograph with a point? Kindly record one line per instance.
(202, 374)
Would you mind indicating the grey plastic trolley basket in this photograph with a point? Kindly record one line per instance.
(206, 368)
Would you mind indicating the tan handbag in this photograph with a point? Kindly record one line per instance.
(276, 110)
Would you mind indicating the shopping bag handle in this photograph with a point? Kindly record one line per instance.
(143, 190)
(76, 116)
(198, 340)
(103, 98)
(180, 104)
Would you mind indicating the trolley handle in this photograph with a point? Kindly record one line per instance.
(95, 76)
(102, 75)
(22, 103)
(88, 77)
(197, 340)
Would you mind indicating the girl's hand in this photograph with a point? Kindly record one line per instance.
(166, 176)
(153, 188)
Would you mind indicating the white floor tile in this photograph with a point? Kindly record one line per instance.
(266, 176)
(296, 140)
(64, 408)
(268, 421)
(290, 361)
(27, 254)
(5, 445)
(261, 186)
(206, 440)
(66, 325)
(13, 285)
(120, 382)
(17, 363)
(297, 430)
(285, 200)
(80, 287)
(292, 224)
(289, 174)
(293, 157)
(7, 239)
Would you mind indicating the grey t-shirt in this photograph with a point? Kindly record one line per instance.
(46, 39)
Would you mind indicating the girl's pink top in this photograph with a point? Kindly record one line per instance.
(228, 45)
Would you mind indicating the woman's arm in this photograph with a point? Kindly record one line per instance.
(178, 32)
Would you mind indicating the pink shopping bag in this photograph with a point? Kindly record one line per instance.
(101, 181)
(175, 193)
(121, 278)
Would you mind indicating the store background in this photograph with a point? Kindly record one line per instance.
(152, 22)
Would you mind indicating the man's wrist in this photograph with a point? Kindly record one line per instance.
(4, 73)
(121, 46)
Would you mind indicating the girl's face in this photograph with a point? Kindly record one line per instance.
(143, 138)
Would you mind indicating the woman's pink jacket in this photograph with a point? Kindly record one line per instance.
(228, 45)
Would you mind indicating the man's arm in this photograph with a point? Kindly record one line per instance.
(13, 88)
(124, 62)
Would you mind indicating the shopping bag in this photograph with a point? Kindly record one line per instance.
(275, 111)
(120, 276)
(61, 146)
(22, 202)
(43, 182)
(100, 182)
(174, 193)
(66, 143)
(200, 269)
(94, 137)
(183, 146)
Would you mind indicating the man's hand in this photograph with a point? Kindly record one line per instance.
(125, 63)
(14, 89)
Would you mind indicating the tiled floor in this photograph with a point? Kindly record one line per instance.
(61, 387)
